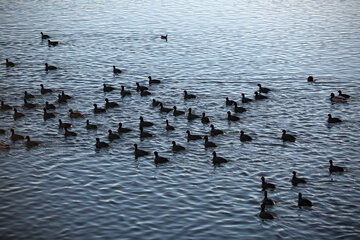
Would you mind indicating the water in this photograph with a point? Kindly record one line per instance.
(66, 189)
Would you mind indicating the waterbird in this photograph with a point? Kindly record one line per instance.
(49, 106)
(98, 110)
(209, 144)
(68, 133)
(73, 114)
(244, 137)
(158, 159)
(188, 96)
(232, 117)
(112, 136)
(164, 37)
(295, 180)
(15, 137)
(53, 43)
(61, 99)
(343, 95)
(169, 127)
(193, 137)
(30, 143)
(205, 119)
(164, 109)
(48, 115)
(333, 168)
(116, 70)
(110, 104)
(28, 95)
(100, 144)
(45, 90)
(9, 64)
(238, 109)
(65, 96)
(145, 123)
(339, 99)
(311, 79)
(333, 120)
(265, 184)
(268, 201)
(63, 124)
(124, 92)
(214, 131)
(138, 152)
(191, 116)
(263, 89)
(139, 87)
(245, 99)
(49, 67)
(303, 202)
(29, 105)
(259, 96)
(144, 134)
(4, 145)
(44, 36)
(121, 129)
(144, 93)
(229, 102)
(218, 160)
(17, 114)
(177, 112)
(265, 214)
(153, 81)
(5, 107)
(155, 103)
(287, 137)
(108, 88)
(176, 147)
(90, 126)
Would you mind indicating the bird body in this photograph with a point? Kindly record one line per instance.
(176, 147)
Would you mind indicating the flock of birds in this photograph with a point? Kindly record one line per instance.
(144, 91)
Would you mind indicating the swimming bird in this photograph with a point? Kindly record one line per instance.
(245, 99)
(29, 105)
(30, 143)
(232, 117)
(229, 102)
(98, 110)
(191, 116)
(287, 137)
(110, 104)
(295, 180)
(333, 120)
(121, 129)
(139, 87)
(53, 43)
(265, 184)
(159, 159)
(259, 96)
(73, 114)
(218, 160)
(339, 99)
(209, 144)
(193, 137)
(61, 99)
(28, 95)
(343, 95)
(99, 144)
(5, 107)
(176, 147)
(144, 134)
(268, 201)
(65, 96)
(303, 202)
(17, 114)
(138, 152)
(68, 133)
(153, 81)
(107, 88)
(238, 109)
(169, 127)
(188, 96)
(49, 67)
(49, 106)
(205, 119)
(44, 36)
(265, 214)
(90, 126)
(244, 137)
(48, 115)
(333, 168)
(214, 131)
(9, 64)
(112, 136)
(63, 124)
(124, 92)
(45, 90)
(155, 103)
(4, 145)
(164, 109)
(116, 70)
(311, 79)
(263, 89)
(145, 123)
(144, 93)
(15, 137)
(164, 37)
(177, 112)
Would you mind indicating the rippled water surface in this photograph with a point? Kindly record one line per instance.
(66, 189)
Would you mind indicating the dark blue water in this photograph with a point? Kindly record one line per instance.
(66, 189)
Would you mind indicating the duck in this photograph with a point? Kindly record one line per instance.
(90, 126)
(5, 107)
(116, 70)
(191, 137)
(61, 100)
(191, 116)
(177, 112)
(259, 96)
(112, 136)
(68, 133)
(98, 110)
(53, 43)
(155, 103)
(48, 115)
(287, 137)
(144, 93)
(30, 143)
(49, 67)
(29, 105)
(63, 124)
(339, 99)
(4, 145)
(2, 131)
(164, 37)
(9, 64)
(343, 95)
(214, 131)
(238, 109)
(108, 88)
(144, 134)
(176, 147)
(65, 96)
(209, 144)
(121, 129)
(229, 102)
(245, 99)
(232, 117)
(45, 90)
(124, 92)
(205, 119)
(49, 106)
(169, 127)
(145, 123)
(333, 168)
(17, 114)
(28, 95)
(244, 137)
(265, 214)
(268, 201)
(311, 79)
(100, 144)
(263, 89)
(44, 36)
(164, 109)
(295, 180)
(110, 104)
(138, 152)
(153, 81)
(139, 87)
(218, 160)
(333, 120)
(188, 96)
(303, 202)
(73, 114)
(15, 137)
(159, 159)
(265, 184)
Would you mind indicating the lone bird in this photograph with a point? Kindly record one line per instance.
(333, 168)
(44, 36)
(9, 64)
(333, 120)
(303, 202)
(116, 70)
(287, 137)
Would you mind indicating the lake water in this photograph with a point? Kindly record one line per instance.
(66, 189)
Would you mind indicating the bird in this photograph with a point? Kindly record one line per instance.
(110, 104)
(15, 137)
(17, 114)
(188, 96)
(112, 136)
(232, 117)
(229, 102)
(65, 96)
(139, 87)
(30, 143)
(343, 95)
(169, 127)
(268, 201)
(191, 116)
(108, 88)
(4, 145)
(209, 144)
(159, 159)
(245, 99)
(339, 99)
(333, 168)
(164, 37)
(99, 144)
(5, 107)
(333, 120)
(49, 67)
(259, 96)
(295, 180)
(244, 137)
(9, 64)
(155, 103)
(44, 36)
(124, 92)
(121, 129)
(53, 43)
(214, 131)
(303, 202)
(153, 81)
(191, 137)
(48, 115)
(98, 110)
(164, 109)
(28, 95)
(45, 90)
(265, 214)
(263, 89)
(205, 119)
(238, 109)
(144, 134)
(144, 93)
(73, 114)
(311, 79)
(90, 126)
(61, 99)
(116, 70)
(63, 124)
(138, 152)
(218, 160)
(287, 137)
(265, 184)
(49, 106)
(177, 112)
(68, 133)
(176, 147)
(145, 123)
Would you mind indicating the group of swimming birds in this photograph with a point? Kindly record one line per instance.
(144, 91)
